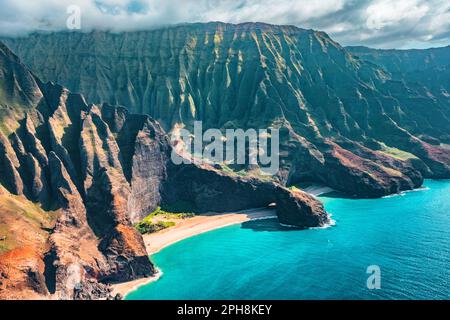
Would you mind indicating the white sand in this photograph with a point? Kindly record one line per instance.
(126, 287)
(317, 190)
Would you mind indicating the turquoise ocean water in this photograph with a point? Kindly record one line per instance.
(407, 236)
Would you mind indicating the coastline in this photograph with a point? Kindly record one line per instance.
(199, 224)
(317, 190)
(125, 288)
(187, 228)
(346, 209)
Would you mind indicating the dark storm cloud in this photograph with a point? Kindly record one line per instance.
(378, 23)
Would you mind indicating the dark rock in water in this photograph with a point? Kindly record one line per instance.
(202, 188)
(298, 209)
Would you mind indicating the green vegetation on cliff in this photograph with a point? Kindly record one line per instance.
(22, 222)
(159, 220)
(146, 227)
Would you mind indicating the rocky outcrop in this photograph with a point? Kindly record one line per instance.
(145, 151)
(363, 172)
(24, 230)
(9, 165)
(125, 251)
(290, 203)
(22, 274)
(203, 188)
(74, 255)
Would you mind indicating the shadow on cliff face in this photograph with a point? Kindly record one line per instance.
(50, 271)
(268, 225)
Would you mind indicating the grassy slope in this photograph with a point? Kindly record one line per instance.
(397, 153)
(22, 222)
(159, 220)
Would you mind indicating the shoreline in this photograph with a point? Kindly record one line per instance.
(187, 228)
(199, 224)
(317, 190)
(203, 223)
(125, 288)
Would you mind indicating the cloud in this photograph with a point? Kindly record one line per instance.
(378, 23)
(386, 13)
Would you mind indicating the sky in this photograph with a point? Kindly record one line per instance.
(399, 24)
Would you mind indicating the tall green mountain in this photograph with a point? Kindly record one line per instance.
(345, 122)
(425, 72)
(401, 63)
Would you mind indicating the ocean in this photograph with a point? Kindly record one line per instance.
(406, 238)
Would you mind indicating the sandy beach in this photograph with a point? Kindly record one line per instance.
(187, 228)
(317, 190)
(126, 287)
(199, 224)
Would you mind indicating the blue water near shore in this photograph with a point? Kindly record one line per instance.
(407, 236)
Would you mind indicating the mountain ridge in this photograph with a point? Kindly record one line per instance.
(336, 110)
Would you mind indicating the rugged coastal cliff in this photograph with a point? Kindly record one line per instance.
(75, 176)
(345, 122)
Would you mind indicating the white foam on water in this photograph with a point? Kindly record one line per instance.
(264, 218)
(330, 224)
(403, 193)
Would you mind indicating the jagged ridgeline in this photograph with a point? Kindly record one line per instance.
(345, 122)
(75, 176)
